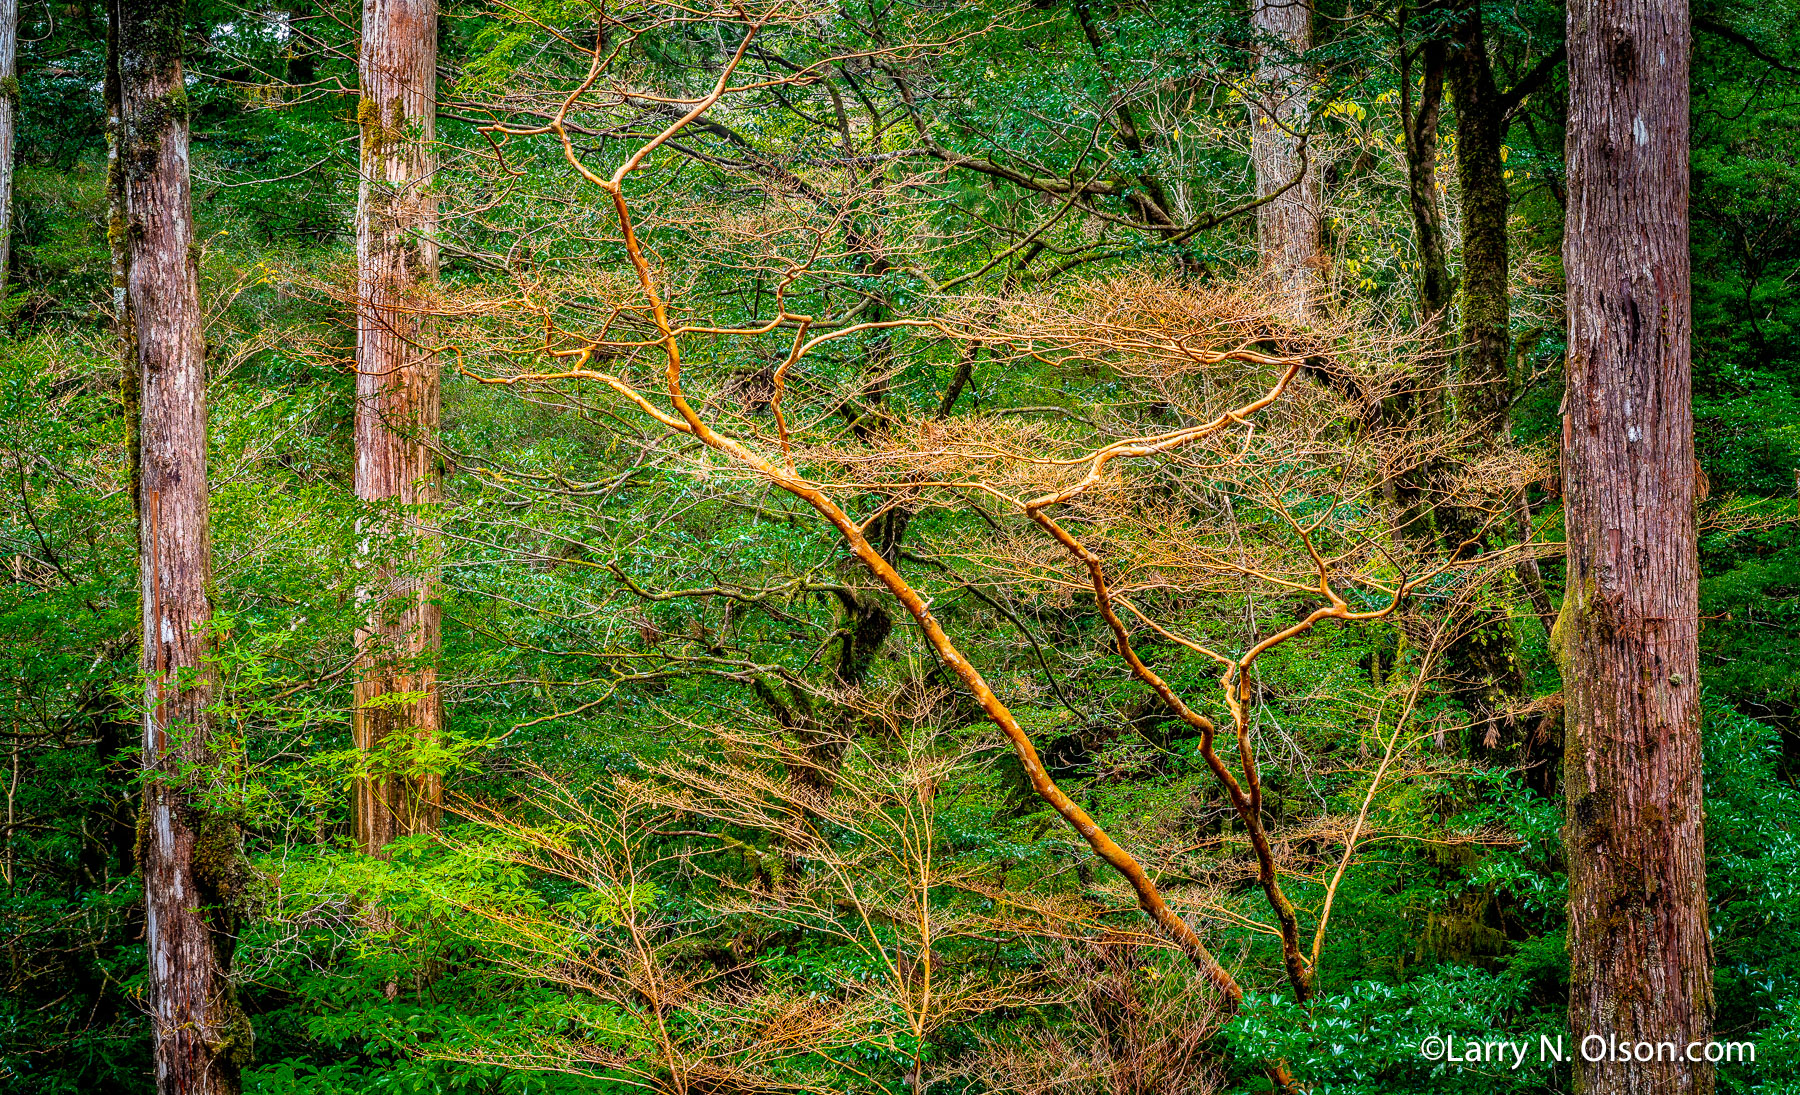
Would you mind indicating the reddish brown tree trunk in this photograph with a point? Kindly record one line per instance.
(9, 111)
(1289, 228)
(190, 859)
(398, 705)
(1640, 963)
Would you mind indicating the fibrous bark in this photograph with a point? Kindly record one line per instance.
(1640, 962)
(398, 704)
(9, 107)
(1289, 228)
(190, 857)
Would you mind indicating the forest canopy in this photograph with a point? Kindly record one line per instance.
(776, 546)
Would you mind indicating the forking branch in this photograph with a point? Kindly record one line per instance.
(773, 461)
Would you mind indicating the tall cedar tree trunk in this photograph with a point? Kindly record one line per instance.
(1640, 964)
(9, 121)
(1289, 228)
(396, 419)
(191, 859)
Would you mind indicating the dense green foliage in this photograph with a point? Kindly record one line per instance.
(633, 871)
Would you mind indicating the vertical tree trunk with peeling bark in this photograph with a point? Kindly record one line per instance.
(1640, 962)
(398, 705)
(1289, 229)
(191, 859)
(9, 120)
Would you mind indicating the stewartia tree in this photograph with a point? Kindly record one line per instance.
(1217, 474)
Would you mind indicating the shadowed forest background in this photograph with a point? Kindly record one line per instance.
(682, 795)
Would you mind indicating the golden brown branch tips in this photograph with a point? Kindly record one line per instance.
(1223, 488)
